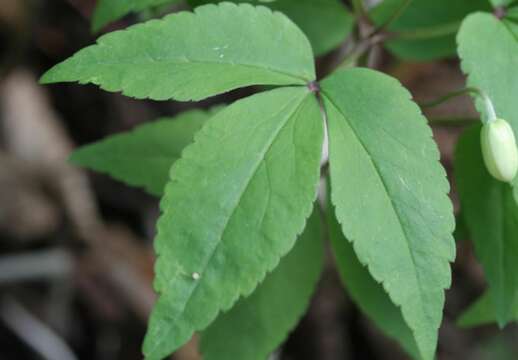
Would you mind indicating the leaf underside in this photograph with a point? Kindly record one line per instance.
(491, 216)
(489, 53)
(390, 194)
(326, 23)
(256, 325)
(192, 56)
(368, 294)
(230, 215)
(143, 156)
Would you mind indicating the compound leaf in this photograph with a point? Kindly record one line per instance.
(191, 56)
(489, 53)
(491, 215)
(107, 11)
(258, 324)
(366, 293)
(326, 23)
(390, 194)
(237, 199)
(143, 157)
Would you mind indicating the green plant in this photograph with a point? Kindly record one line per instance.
(238, 249)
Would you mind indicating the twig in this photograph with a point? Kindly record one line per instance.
(55, 263)
(361, 48)
(359, 10)
(33, 332)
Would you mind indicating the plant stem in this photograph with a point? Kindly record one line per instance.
(444, 98)
(360, 48)
(488, 104)
(359, 10)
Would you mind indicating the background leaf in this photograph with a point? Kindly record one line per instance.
(390, 193)
(501, 2)
(143, 157)
(489, 54)
(366, 293)
(258, 324)
(491, 216)
(107, 11)
(482, 312)
(188, 56)
(326, 23)
(427, 28)
(235, 203)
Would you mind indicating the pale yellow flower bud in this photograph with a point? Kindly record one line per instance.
(499, 150)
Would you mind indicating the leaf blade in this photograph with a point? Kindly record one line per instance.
(482, 312)
(491, 215)
(326, 23)
(244, 233)
(426, 28)
(491, 67)
(404, 195)
(366, 293)
(263, 319)
(143, 156)
(204, 60)
(107, 11)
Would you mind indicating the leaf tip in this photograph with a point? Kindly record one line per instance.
(52, 76)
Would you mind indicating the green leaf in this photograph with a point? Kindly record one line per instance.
(489, 53)
(107, 11)
(143, 157)
(235, 203)
(390, 193)
(511, 15)
(426, 29)
(461, 232)
(482, 312)
(326, 23)
(366, 293)
(258, 324)
(479, 313)
(497, 3)
(191, 56)
(491, 215)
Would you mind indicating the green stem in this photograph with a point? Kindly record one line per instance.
(488, 104)
(444, 98)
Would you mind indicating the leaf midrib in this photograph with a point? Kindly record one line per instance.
(253, 171)
(394, 208)
(154, 62)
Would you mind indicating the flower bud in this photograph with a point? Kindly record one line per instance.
(499, 150)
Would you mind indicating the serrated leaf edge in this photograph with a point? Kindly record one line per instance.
(275, 261)
(337, 208)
